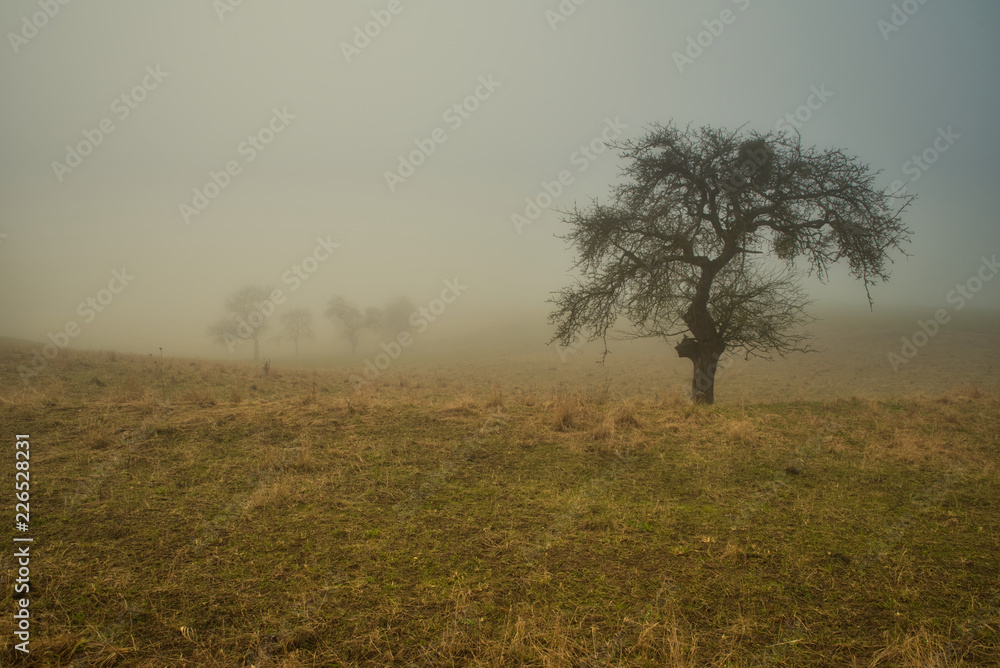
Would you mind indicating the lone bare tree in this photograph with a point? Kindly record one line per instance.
(351, 322)
(296, 325)
(701, 241)
(247, 313)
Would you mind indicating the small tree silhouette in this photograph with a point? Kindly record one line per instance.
(248, 310)
(297, 325)
(350, 321)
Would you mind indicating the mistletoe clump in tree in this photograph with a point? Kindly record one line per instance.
(701, 241)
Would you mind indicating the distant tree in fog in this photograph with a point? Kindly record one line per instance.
(247, 313)
(351, 322)
(701, 239)
(373, 319)
(296, 325)
(396, 316)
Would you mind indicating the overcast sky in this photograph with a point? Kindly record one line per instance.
(190, 88)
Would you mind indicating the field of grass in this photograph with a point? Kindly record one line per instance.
(512, 513)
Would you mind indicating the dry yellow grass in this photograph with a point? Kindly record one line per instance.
(429, 522)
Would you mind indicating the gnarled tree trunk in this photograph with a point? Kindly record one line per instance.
(705, 356)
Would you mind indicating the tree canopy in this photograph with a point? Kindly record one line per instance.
(247, 313)
(351, 321)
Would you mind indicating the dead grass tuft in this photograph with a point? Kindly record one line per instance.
(302, 451)
(528, 398)
(202, 396)
(359, 402)
(972, 392)
(673, 399)
(600, 395)
(625, 414)
(565, 414)
(604, 431)
(151, 427)
(741, 432)
(495, 399)
(461, 406)
(270, 495)
(921, 650)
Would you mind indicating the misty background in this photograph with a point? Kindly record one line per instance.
(222, 71)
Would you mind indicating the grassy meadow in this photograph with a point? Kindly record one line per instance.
(518, 510)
